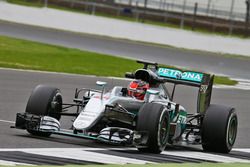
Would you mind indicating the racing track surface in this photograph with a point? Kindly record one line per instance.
(16, 86)
(210, 62)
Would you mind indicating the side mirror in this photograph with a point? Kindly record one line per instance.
(101, 83)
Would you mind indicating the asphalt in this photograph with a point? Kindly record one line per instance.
(16, 86)
(236, 67)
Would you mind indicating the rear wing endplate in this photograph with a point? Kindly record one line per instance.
(203, 81)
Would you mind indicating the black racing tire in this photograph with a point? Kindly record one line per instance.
(219, 129)
(154, 119)
(44, 101)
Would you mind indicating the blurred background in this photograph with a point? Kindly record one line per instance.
(228, 17)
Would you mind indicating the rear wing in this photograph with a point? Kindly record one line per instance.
(182, 77)
(153, 74)
(201, 80)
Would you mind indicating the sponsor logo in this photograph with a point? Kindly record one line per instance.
(177, 74)
(182, 119)
(99, 97)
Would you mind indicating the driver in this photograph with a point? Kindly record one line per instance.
(138, 89)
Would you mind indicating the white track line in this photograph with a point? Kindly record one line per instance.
(46, 72)
(6, 121)
(83, 154)
(205, 156)
(243, 84)
(246, 150)
(11, 163)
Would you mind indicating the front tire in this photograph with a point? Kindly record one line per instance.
(154, 119)
(44, 101)
(219, 129)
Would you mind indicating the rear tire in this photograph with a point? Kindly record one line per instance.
(219, 129)
(44, 101)
(154, 119)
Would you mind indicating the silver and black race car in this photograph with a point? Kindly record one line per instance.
(149, 123)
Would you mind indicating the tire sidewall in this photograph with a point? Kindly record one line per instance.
(230, 119)
(40, 104)
(40, 101)
(150, 119)
(161, 144)
(216, 128)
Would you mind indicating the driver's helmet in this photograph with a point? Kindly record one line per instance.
(138, 89)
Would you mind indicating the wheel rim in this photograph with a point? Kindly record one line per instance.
(56, 106)
(232, 130)
(163, 131)
(57, 100)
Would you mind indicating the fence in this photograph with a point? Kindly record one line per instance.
(226, 9)
(205, 14)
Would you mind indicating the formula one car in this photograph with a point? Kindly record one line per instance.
(142, 114)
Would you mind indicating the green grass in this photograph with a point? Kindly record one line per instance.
(27, 3)
(23, 54)
(162, 165)
(224, 80)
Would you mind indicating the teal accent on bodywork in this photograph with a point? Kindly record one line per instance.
(182, 119)
(134, 112)
(152, 92)
(172, 115)
(177, 74)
